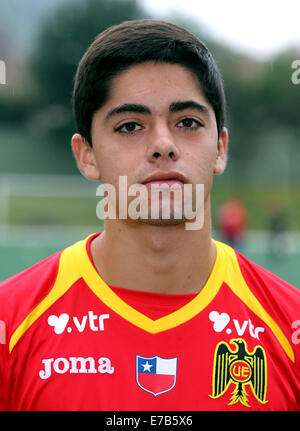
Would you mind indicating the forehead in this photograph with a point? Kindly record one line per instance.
(155, 81)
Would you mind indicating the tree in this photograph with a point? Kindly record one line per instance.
(63, 39)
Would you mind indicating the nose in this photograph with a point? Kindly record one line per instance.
(162, 145)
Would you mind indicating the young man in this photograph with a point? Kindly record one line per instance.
(149, 315)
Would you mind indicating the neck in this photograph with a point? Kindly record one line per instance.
(161, 259)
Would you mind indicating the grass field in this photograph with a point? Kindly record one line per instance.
(40, 215)
(81, 210)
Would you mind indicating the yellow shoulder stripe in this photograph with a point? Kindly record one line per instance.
(66, 276)
(75, 263)
(235, 280)
(113, 301)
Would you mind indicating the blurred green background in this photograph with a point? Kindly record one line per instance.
(46, 205)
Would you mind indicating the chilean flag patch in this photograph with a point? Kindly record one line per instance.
(156, 375)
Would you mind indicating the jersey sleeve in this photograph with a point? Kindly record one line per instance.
(3, 385)
(19, 295)
(4, 359)
(282, 301)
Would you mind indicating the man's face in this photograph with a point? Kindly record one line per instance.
(157, 121)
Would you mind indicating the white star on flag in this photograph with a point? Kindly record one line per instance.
(147, 366)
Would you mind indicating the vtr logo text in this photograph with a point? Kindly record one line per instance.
(222, 320)
(95, 322)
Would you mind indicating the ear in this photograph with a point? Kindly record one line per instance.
(221, 159)
(85, 157)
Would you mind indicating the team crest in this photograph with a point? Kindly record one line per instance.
(156, 375)
(241, 368)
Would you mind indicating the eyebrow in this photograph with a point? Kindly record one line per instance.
(142, 109)
(128, 107)
(188, 104)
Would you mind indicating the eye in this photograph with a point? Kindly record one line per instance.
(128, 128)
(189, 123)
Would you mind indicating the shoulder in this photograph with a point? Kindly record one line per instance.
(268, 296)
(269, 286)
(279, 299)
(20, 293)
(26, 295)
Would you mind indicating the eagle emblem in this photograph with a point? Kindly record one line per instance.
(242, 368)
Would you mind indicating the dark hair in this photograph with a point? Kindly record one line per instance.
(139, 41)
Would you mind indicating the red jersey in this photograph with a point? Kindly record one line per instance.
(68, 341)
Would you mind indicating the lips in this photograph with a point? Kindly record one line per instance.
(165, 177)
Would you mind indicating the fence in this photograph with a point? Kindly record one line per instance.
(40, 214)
(29, 203)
